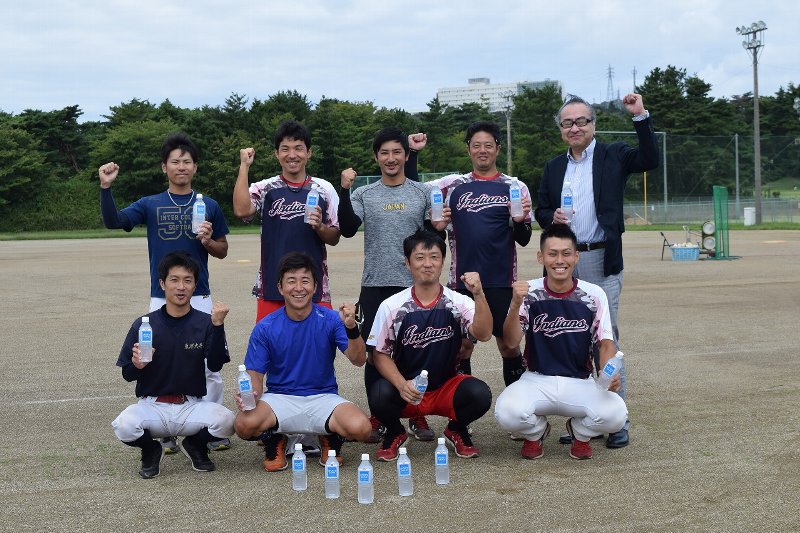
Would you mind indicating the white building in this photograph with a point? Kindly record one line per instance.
(493, 95)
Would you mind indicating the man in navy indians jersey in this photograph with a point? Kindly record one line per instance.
(390, 210)
(280, 201)
(168, 217)
(482, 233)
(294, 347)
(562, 318)
(421, 328)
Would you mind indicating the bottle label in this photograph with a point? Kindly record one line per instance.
(200, 209)
(441, 459)
(609, 369)
(363, 476)
(297, 465)
(245, 386)
(312, 200)
(567, 201)
(515, 194)
(404, 470)
(422, 388)
(147, 336)
(437, 198)
(332, 472)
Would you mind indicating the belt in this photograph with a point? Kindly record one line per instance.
(589, 246)
(171, 398)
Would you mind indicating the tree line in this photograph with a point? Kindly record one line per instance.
(49, 159)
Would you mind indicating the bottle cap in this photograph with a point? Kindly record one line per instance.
(441, 440)
(331, 453)
(619, 354)
(199, 196)
(424, 373)
(242, 368)
(364, 456)
(403, 451)
(298, 447)
(146, 319)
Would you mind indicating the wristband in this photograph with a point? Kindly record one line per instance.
(353, 333)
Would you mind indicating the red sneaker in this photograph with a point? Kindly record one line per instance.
(378, 430)
(532, 449)
(461, 442)
(419, 427)
(275, 453)
(579, 449)
(390, 448)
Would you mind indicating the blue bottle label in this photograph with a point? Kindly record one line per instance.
(609, 369)
(567, 201)
(147, 336)
(245, 386)
(297, 465)
(332, 472)
(515, 193)
(404, 470)
(437, 198)
(441, 459)
(363, 476)
(312, 200)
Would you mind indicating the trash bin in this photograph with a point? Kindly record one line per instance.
(749, 216)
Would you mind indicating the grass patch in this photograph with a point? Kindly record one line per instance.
(139, 231)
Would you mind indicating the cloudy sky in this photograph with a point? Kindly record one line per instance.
(394, 54)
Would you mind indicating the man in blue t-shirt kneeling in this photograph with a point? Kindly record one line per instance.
(294, 347)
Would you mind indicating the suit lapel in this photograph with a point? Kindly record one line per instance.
(597, 166)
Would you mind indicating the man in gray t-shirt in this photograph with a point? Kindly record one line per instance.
(391, 209)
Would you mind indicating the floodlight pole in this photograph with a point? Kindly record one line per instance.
(753, 44)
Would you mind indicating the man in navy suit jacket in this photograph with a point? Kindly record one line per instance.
(597, 173)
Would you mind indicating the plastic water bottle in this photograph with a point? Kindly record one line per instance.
(331, 476)
(437, 204)
(198, 213)
(299, 471)
(366, 480)
(567, 205)
(442, 463)
(610, 370)
(312, 201)
(145, 341)
(405, 483)
(515, 197)
(421, 384)
(246, 389)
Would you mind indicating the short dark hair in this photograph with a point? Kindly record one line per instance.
(427, 238)
(297, 261)
(559, 231)
(182, 142)
(572, 99)
(387, 135)
(483, 125)
(177, 259)
(291, 129)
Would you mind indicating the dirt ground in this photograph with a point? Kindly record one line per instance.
(712, 354)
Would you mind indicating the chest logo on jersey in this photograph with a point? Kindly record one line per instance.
(474, 204)
(286, 211)
(427, 336)
(399, 206)
(557, 326)
(193, 346)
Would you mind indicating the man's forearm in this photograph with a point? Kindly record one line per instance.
(328, 234)
(217, 248)
(242, 206)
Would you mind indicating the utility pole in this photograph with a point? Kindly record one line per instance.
(509, 107)
(634, 79)
(753, 43)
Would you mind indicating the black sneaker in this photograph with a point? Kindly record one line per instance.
(197, 454)
(151, 461)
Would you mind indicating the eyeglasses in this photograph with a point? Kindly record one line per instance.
(567, 123)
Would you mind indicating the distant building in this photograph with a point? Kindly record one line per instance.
(493, 95)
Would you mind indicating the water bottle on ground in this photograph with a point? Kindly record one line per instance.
(331, 476)
(421, 384)
(312, 201)
(567, 205)
(442, 463)
(145, 341)
(515, 197)
(246, 389)
(437, 204)
(366, 480)
(198, 213)
(610, 370)
(299, 471)
(405, 483)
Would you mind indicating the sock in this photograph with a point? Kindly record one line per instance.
(465, 367)
(512, 369)
(144, 442)
(202, 437)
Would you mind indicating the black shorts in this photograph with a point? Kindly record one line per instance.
(368, 301)
(499, 300)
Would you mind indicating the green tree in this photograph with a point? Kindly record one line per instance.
(60, 137)
(21, 167)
